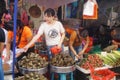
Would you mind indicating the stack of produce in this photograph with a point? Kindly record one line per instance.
(32, 76)
(94, 60)
(33, 61)
(62, 60)
(112, 59)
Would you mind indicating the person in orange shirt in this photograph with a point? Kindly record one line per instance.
(23, 36)
(79, 42)
(74, 42)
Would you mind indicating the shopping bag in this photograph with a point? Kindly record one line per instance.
(88, 8)
(95, 12)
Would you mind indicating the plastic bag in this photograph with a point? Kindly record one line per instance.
(55, 50)
(88, 8)
(4, 54)
(95, 12)
(104, 74)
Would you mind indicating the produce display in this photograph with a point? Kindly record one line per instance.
(33, 61)
(62, 60)
(94, 60)
(31, 76)
(112, 59)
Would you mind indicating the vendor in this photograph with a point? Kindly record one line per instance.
(108, 43)
(23, 36)
(6, 17)
(78, 42)
(53, 31)
(87, 42)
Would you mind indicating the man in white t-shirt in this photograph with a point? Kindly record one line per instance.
(53, 31)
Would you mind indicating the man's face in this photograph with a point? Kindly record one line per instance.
(48, 18)
(114, 32)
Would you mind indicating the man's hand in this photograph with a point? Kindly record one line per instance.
(17, 55)
(77, 56)
(25, 49)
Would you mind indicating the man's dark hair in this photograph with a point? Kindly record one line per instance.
(112, 29)
(84, 33)
(10, 25)
(50, 12)
(6, 11)
(19, 24)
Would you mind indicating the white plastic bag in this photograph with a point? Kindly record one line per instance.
(4, 54)
(88, 8)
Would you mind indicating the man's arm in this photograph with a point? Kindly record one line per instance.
(115, 42)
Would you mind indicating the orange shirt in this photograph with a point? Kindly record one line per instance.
(26, 34)
(73, 40)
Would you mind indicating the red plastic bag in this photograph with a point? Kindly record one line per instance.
(55, 50)
(104, 74)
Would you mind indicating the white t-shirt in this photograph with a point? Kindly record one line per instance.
(52, 32)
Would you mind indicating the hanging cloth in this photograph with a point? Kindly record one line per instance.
(90, 10)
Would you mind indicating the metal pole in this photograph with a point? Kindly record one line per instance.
(14, 40)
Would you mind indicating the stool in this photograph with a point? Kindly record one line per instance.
(62, 76)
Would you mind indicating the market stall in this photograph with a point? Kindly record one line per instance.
(99, 63)
(63, 64)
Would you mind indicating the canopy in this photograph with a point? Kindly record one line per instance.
(50, 3)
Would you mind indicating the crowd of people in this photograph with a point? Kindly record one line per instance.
(79, 41)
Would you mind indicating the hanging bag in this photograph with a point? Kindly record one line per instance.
(88, 8)
(93, 9)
